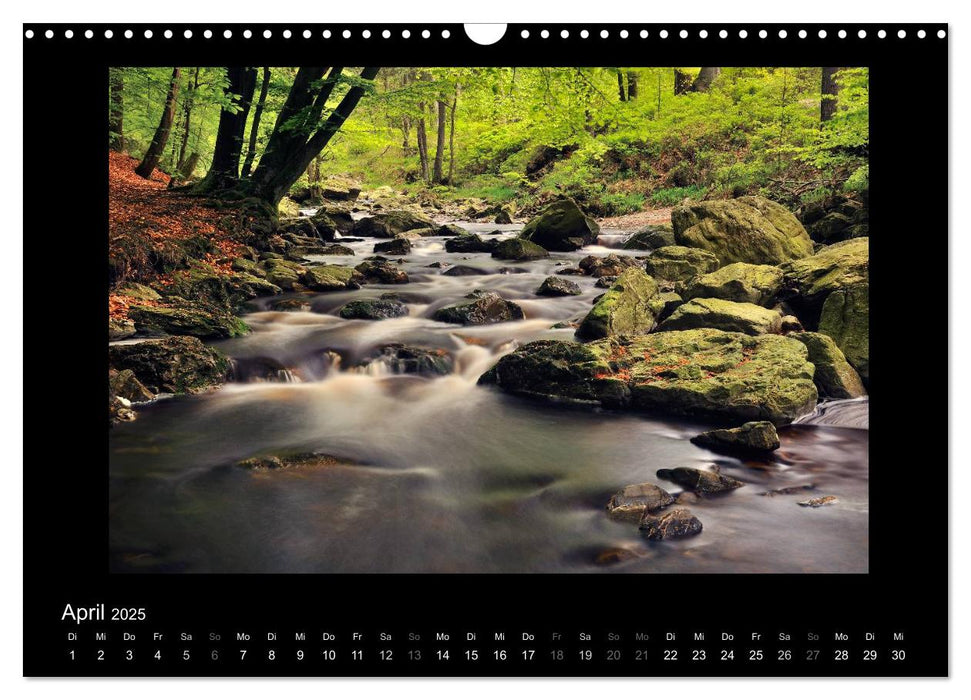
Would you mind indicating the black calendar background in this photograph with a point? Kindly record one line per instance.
(66, 529)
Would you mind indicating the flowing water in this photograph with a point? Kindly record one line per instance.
(437, 474)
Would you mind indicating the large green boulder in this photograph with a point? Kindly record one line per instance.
(677, 263)
(518, 249)
(810, 281)
(631, 305)
(182, 317)
(650, 238)
(176, 365)
(742, 282)
(389, 224)
(330, 278)
(846, 319)
(481, 308)
(723, 315)
(203, 283)
(747, 229)
(561, 226)
(283, 273)
(701, 373)
(834, 377)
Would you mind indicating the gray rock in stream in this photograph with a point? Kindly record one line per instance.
(482, 308)
(632, 502)
(700, 481)
(679, 522)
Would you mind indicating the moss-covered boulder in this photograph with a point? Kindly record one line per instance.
(723, 315)
(480, 309)
(650, 238)
(702, 373)
(846, 319)
(747, 229)
(561, 226)
(810, 281)
(373, 309)
(519, 249)
(381, 272)
(677, 263)
(554, 286)
(335, 249)
(283, 273)
(120, 328)
(133, 290)
(389, 224)
(228, 290)
(176, 365)
(182, 317)
(125, 384)
(469, 243)
(330, 278)
(631, 305)
(754, 436)
(835, 377)
(396, 246)
(608, 265)
(742, 282)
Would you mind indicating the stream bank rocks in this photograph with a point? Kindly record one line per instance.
(181, 317)
(390, 224)
(561, 226)
(835, 377)
(748, 229)
(751, 437)
(482, 308)
(650, 238)
(175, 365)
(739, 282)
(723, 315)
(701, 372)
(677, 263)
(631, 305)
(331, 278)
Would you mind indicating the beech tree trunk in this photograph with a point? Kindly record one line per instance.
(451, 138)
(829, 92)
(705, 78)
(440, 143)
(186, 121)
(224, 172)
(157, 147)
(254, 131)
(682, 82)
(422, 138)
(116, 110)
(621, 93)
(631, 86)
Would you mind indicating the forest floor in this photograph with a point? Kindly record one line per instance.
(632, 222)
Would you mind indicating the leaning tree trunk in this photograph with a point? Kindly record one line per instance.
(421, 137)
(620, 86)
(439, 144)
(705, 78)
(116, 110)
(829, 92)
(188, 166)
(157, 147)
(631, 86)
(274, 185)
(254, 130)
(224, 172)
(186, 121)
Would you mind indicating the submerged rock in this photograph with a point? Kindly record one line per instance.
(630, 306)
(820, 502)
(679, 522)
(616, 555)
(465, 271)
(411, 359)
(517, 249)
(482, 308)
(391, 223)
(631, 502)
(331, 278)
(703, 372)
(396, 246)
(650, 238)
(561, 226)
(723, 315)
(699, 480)
(557, 287)
(747, 229)
(176, 365)
(678, 263)
(382, 272)
(846, 319)
(741, 282)
(373, 309)
(273, 462)
(754, 436)
(834, 377)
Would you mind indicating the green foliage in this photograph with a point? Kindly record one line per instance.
(675, 195)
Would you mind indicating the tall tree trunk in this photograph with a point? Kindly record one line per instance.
(188, 166)
(186, 121)
(682, 82)
(405, 136)
(440, 143)
(254, 131)
(620, 86)
(224, 172)
(451, 138)
(828, 94)
(116, 109)
(705, 78)
(631, 86)
(271, 182)
(421, 137)
(157, 147)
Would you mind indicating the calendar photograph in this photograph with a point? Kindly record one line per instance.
(488, 320)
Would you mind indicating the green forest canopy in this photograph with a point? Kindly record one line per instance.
(616, 139)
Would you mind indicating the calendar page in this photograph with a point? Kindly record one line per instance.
(526, 350)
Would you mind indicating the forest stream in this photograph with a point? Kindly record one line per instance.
(441, 475)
